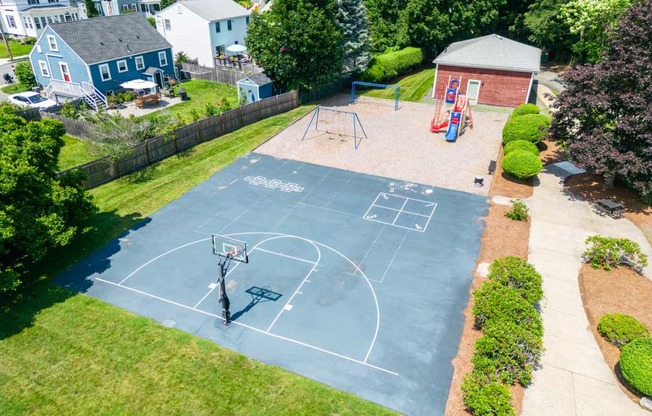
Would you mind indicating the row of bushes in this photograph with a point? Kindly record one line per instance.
(392, 64)
(521, 134)
(512, 340)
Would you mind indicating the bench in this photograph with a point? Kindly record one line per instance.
(492, 167)
(147, 99)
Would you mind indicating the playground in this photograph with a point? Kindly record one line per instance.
(399, 144)
(354, 280)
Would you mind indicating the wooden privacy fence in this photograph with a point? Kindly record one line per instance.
(74, 127)
(222, 74)
(158, 148)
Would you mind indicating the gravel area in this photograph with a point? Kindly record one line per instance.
(399, 144)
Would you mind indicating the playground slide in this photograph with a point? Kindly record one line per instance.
(451, 133)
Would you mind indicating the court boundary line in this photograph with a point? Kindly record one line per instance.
(294, 341)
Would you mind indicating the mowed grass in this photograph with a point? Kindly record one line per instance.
(201, 93)
(75, 152)
(14, 88)
(413, 87)
(17, 49)
(64, 353)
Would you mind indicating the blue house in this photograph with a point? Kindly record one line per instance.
(89, 58)
(255, 87)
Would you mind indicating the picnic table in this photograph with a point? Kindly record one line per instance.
(609, 207)
(147, 99)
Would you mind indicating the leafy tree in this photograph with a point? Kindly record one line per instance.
(351, 18)
(297, 42)
(151, 21)
(25, 74)
(548, 29)
(603, 116)
(91, 10)
(424, 26)
(591, 19)
(386, 26)
(39, 209)
(166, 3)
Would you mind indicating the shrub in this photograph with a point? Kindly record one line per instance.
(516, 273)
(524, 109)
(494, 301)
(392, 64)
(521, 164)
(636, 364)
(210, 109)
(519, 211)
(620, 329)
(486, 398)
(509, 351)
(529, 127)
(521, 145)
(25, 74)
(606, 253)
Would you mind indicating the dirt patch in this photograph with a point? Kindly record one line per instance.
(550, 152)
(620, 290)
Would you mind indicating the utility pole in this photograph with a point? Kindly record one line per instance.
(4, 38)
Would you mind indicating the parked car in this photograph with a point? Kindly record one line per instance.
(32, 100)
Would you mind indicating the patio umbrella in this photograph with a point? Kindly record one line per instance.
(236, 48)
(138, 84)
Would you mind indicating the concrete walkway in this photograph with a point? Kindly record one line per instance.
(574, 379)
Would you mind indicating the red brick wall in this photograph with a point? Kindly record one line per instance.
(505, 88)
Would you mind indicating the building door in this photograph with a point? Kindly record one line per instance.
(65, 72)
(473, 90)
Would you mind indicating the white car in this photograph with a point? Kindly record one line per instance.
(32, 100)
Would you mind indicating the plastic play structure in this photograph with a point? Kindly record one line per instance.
(452, 111)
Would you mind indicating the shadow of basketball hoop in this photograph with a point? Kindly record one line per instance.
(258, 294)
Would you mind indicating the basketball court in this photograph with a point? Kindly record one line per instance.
(354, 280)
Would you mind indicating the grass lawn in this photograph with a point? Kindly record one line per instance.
(16, 49)
(14, 88)
(202, 93)
(413, 87)
(75, 152)
(64, 353)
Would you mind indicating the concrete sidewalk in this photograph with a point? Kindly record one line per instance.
(574, 379)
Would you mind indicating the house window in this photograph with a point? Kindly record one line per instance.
(11, 22)
(140, 63)
(105, 73)
(125, 7)
(33, 1)
(218, 29)
(122, 66)
(219, 50)
(229, 24)
(247, 19)
(53, 43)
(44, 22)
(168, 25)
(162, 59)
(50, 19)
(37, 22)
(27, 22)
(133, 6)
(44, 68)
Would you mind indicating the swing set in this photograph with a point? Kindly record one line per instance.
(338, 122)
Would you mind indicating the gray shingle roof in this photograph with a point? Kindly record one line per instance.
(213, 10)
(492, 52)
(260, 79)
(106, 38)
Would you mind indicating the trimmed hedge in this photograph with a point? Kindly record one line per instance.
(620, 329)
(529, 127)
(636, 364)
(497, 302)
(521, 145)
(390, 65)
(484, 397)
(521, 164)
(516, 273)
(524, 109)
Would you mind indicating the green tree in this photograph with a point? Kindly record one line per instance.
(91, 10)
(297, 42)
(351, 18)
(385, 25)
(39, 209)
(25, 74)
(549, 29)
(152, 21)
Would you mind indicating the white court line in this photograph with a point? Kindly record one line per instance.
(282, 255)
(328, 209)
(364, 363)
(403, 211)
(400, 211)
(394, 257)
(213, 288)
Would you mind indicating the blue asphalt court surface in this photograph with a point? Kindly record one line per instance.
(364, 278)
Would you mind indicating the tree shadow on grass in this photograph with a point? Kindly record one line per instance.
(67, 270)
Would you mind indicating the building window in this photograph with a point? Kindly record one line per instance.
(37, 23)
(168, 25)
(218, 29)
(122, 66)
(33, 1)
(125, 7)
(133, 6)
(27, 22)
(140, 63)
(44, 68)
(162, 59)
(11, 22)
(53, 43)
(44, 22)
(229, 24)
(105, 73)
(219, 50)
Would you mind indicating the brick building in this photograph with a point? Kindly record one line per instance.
(493, 70)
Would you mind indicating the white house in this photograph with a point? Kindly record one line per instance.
(203, 29)
(21, 18)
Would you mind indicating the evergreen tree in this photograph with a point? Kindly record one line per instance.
(91, 10)
(351, 18)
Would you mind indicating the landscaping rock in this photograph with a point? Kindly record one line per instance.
(646, 403)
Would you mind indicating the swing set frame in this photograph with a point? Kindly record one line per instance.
(354, 119)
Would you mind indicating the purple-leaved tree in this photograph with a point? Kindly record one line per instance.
(604, 117)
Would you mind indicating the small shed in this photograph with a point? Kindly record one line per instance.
(493, 70)
(255, 87)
